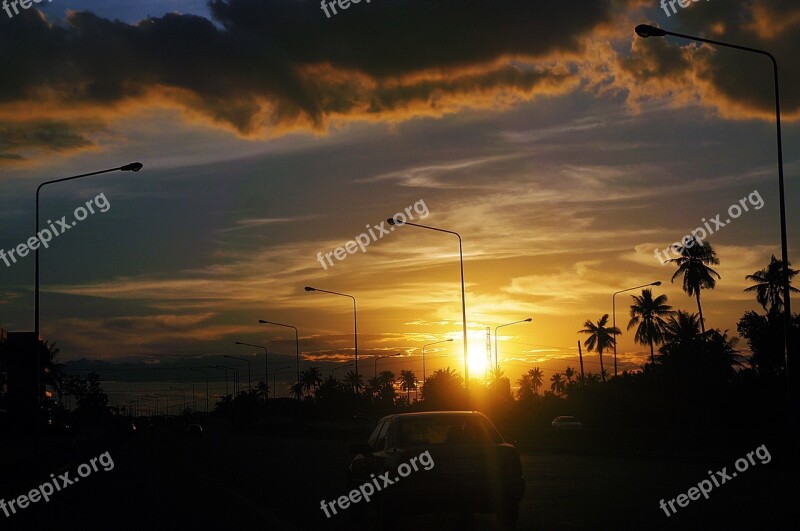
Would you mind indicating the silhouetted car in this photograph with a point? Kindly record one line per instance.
(472, 469)
(194, 430)
(566, 423)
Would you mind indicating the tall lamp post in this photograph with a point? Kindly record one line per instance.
(266, 359)
(206, 375)
(296, 344)
(334, 369)
(496, 351)
(423, 354)
(249, 379)
(184, 396)
(645, 31)
(393, 221)
(614, 315)
(274, 373)
(375, 368)
(235, 377)
(134, 167)
(355, 317)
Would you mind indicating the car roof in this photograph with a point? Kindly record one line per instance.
(430, 414)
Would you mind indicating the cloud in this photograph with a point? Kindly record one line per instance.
(263, 68)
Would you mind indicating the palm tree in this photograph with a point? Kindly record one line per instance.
(769, 285)
(569, 373)
(408, 382)
(494, 376)
(525, 386)
(297, 389)
(537, 379)
(311, 377)
(649, 314)
(354, 381)
(558, 384)
(600, 338)
(693, 265)
(681, 328)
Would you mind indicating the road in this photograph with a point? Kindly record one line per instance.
(225, 480)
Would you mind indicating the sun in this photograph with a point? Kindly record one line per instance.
(476, 360)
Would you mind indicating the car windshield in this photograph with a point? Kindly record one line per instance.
(446, 429)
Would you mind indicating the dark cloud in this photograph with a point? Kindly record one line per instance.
(260, 69)
(45, 134)
(740, 83)
(268, 66)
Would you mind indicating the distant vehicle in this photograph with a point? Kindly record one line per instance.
(194, 430)
(566, 423)
(472, 468)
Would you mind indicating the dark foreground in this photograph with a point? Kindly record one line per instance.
(226, 480)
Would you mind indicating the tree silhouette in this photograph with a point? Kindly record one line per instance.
(354, 381)
(408, 382)
(537, 379)
(649, 314)
(693, 266)
(557, 384)
(525, 384)
(769, 285)
(600, 338)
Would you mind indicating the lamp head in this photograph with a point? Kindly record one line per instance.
(529, 319)
(309, 288)
(450, 340)
(391, 221)
(656, 283)
(645, 31)
(262, 321)
(133, 166)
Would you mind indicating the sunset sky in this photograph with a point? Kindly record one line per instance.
(562, 147)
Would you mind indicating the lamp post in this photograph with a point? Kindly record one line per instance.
(355, 317)
(340, 367)
(393, 222)
(194, 408)
(249, 379)
(296, 344)
(206, 374)
(184, 396)
(496, 351)
(134, 167)
(375, 368)
(275, 372)
(614, 315)
(235, 378)
(645, 31)
(266, 359)
(423, 354)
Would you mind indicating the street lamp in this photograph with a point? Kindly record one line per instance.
(496, 351)
(355, 317)
(194, 407)
(296, 344)
(392, 221)
(184, 396)
(134, 167)
(235, 378)
(275, 372)
(375, 368)
(340, 367)
(266, 359)
(206, 373)
(645, 31)
(423, 354)
(614, 315)
(249, 379)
